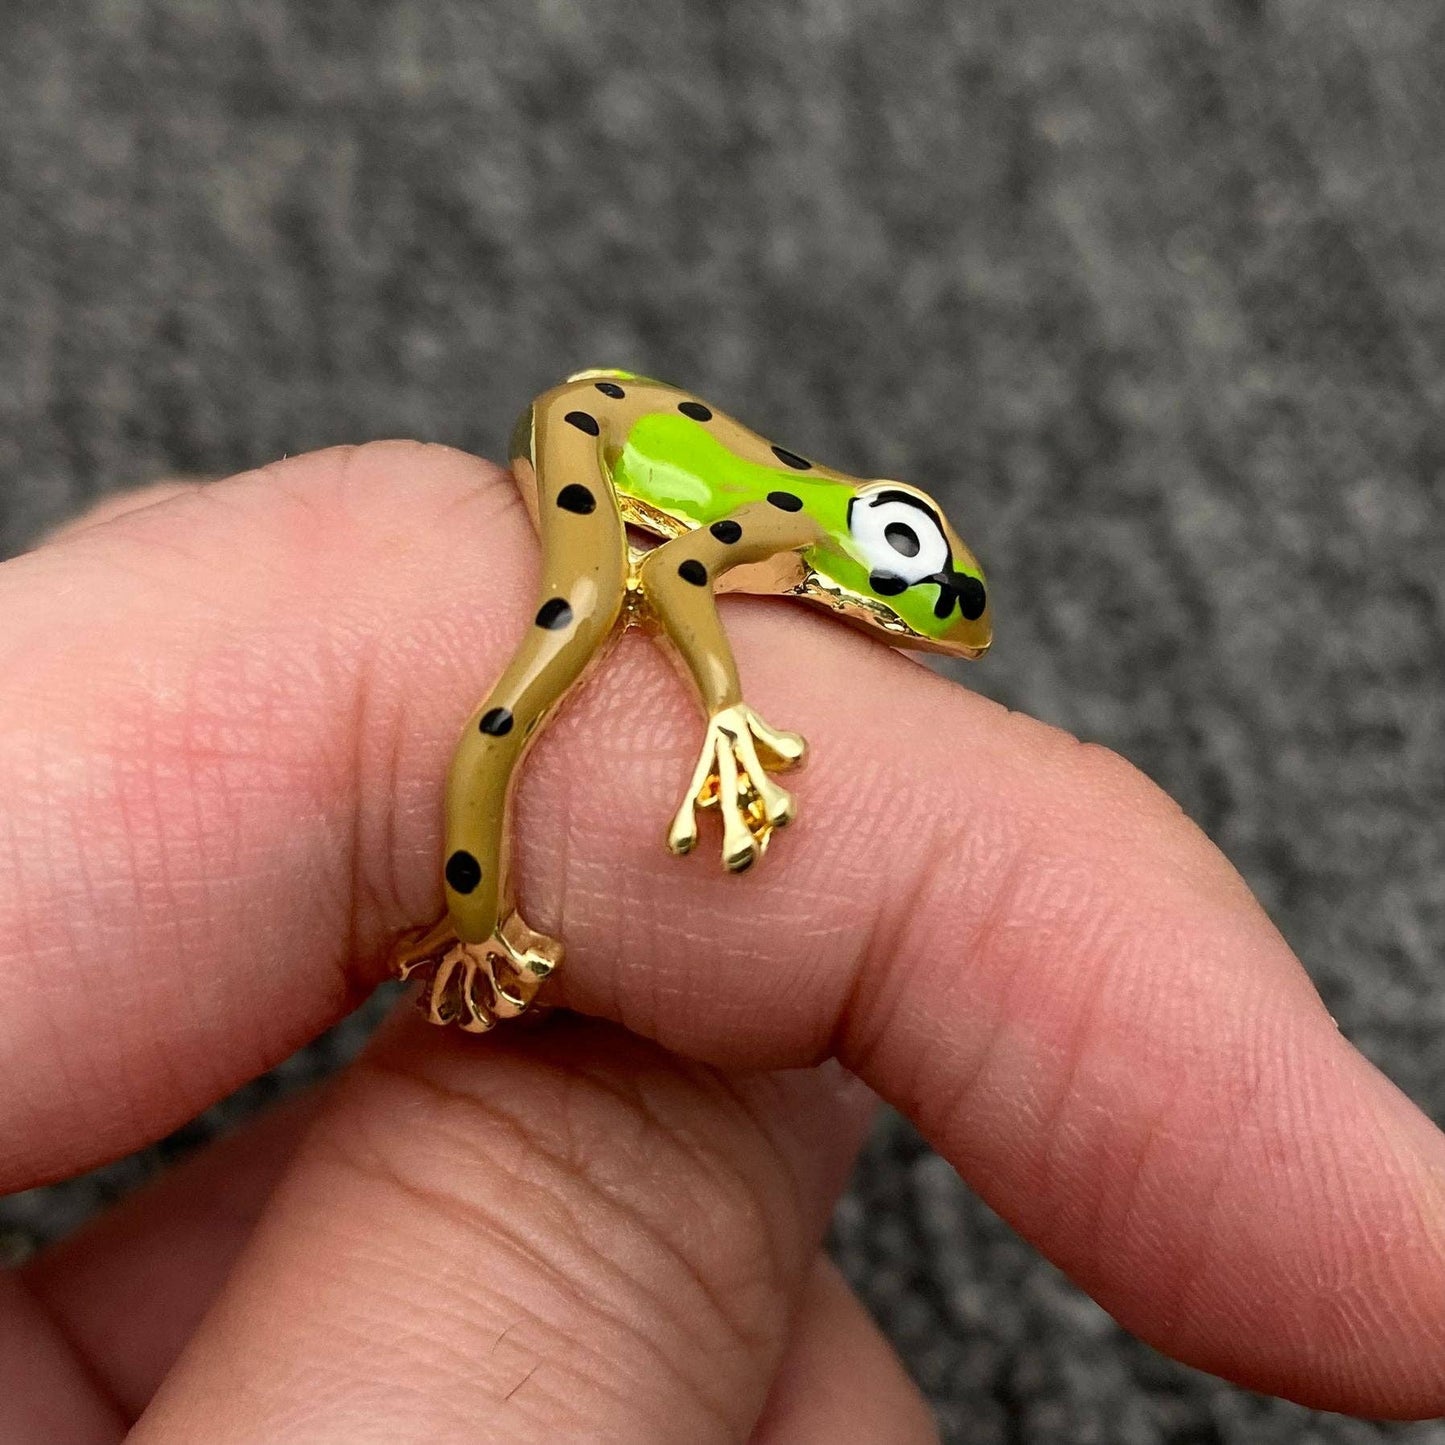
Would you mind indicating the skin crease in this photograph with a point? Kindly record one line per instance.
(222, 725)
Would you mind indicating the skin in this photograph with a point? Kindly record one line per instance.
(225, 719)
(717, 507)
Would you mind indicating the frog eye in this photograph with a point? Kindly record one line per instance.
(899, 537)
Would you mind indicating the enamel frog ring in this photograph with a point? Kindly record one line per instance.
(609, 456)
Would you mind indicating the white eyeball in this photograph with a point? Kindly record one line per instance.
(898, 536)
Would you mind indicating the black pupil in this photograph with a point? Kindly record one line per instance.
(902, 538)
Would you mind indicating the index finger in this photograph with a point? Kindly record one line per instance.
(223, 725)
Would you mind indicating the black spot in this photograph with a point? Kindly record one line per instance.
(497, 722)
(887, 584)
(792, 459)
(583, 422)
(695, 409)
(726, 531)
(902, 538)
(786, 501)
(692, 571)
(972, 598)
(554, 614)
(611, 388)
(463, 872)
(574, 497)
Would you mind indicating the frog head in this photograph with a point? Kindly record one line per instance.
(905, 572)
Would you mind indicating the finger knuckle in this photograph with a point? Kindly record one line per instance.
(649, 1195)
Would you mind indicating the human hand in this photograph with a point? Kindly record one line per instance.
(224, 720)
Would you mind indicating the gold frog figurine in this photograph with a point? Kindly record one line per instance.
(730, 512)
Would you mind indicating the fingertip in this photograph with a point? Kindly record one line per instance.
(1320, 1268)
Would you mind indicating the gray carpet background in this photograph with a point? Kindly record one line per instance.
(1150, 293)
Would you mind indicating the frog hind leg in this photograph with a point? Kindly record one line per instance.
(483, 962)
(739, 749)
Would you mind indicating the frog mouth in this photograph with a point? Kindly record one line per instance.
(958, 589)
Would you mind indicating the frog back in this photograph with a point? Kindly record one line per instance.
(676, 464)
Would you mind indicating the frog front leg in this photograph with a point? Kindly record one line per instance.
(740, 749)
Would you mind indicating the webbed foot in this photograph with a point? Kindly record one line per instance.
(474, 984)
(732, 776)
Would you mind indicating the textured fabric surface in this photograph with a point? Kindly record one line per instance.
(1151, 294)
